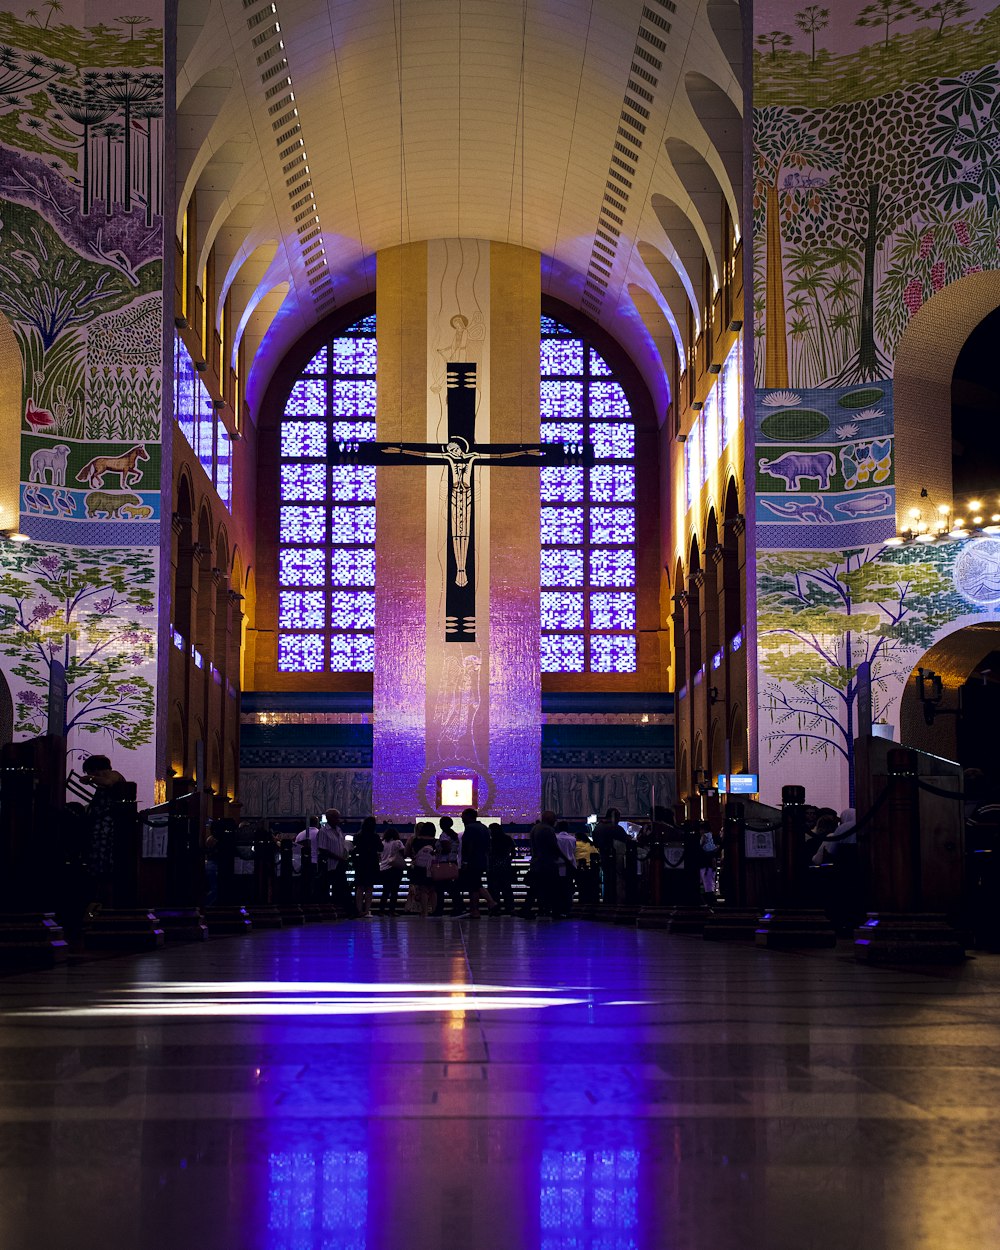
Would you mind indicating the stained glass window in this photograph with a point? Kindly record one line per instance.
(588, 515)
(326, 521)
(326, 557)
(199, 421)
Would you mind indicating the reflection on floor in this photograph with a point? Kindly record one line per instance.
(402, 1085)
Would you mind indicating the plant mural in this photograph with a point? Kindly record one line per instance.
(81, 275)
(77, 622)
(877, 183)
(823, 617)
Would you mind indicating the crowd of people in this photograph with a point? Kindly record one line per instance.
(469, 869)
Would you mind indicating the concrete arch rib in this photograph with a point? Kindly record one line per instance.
(199, 118)
(673, 298)
(723, 124)
(687, 242)
(663, 334)
(201, 137)
(259, 320)
(705, 192)
(249, 281)
(726, 20)
(244, 211)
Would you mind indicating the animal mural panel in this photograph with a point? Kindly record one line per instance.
(65, 481)
(825, 458)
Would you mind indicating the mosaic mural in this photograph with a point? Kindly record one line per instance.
(81, 275)
(876, 183)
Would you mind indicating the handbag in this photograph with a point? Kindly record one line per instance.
(443, 871)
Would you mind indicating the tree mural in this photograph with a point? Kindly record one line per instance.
(886, 13)
(880, 183)
(22, 74)
(129, 92)
(86, 110)
(944, 11)
(812, 19)
(785, 195)
(70, 619)
(774, 39)
(821, 615)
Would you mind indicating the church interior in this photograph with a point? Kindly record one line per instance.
(499, 624)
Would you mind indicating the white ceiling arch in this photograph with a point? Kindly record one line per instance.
(375, 122)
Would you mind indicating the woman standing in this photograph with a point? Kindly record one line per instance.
(421, 850)
(391, 865)
(366, 853)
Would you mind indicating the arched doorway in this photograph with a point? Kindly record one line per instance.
(962, 725)
(923, 374)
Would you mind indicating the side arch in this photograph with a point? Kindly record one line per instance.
(922, 373)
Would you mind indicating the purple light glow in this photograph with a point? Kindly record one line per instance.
(301, 609)
(352, 566)
(351, 355)
(562, 356)
(303, 438)
(612, 653)
(612, 525)
(563, 485)
(562, 566)
(613, 567)
(562, 432)
(302, 524)
(329, 588)
(562, 525)
(303, 482)
(613, 442)
(353, 483)
(301, 566)
(561, 401)
(201, 424)
(353, 398)
(608, 402)
(562, 610)
(307, 398)
(562, 653)
(612, 610)
(352, 653)
(352, 525)
(300, 653)
(352, 609)
(612, 483)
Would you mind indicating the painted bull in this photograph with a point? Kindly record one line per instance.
(793, 466)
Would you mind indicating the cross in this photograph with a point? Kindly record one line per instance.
(463, 455)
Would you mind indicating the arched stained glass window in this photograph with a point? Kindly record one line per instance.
(588, 514)
(326, 552)
(326, 526)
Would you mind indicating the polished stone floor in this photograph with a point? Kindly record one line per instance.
(500, 1084)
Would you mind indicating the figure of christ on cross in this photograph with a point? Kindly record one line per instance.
(462, 454)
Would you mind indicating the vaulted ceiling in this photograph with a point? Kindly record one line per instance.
(602, 133)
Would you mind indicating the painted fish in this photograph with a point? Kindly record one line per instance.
(876, 501)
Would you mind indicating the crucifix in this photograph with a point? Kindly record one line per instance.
(463, 455)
